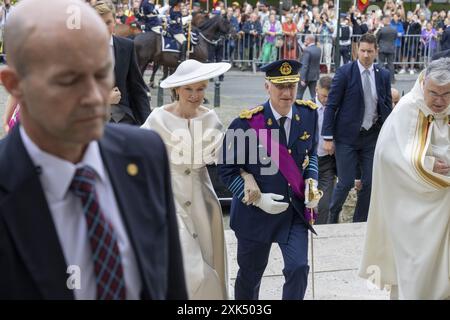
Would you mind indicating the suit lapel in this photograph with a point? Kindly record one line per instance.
(378, 83)
(295, 131)
(359, 81)
(118, 54)
(141, 226)
(30, 223)
(271, 122)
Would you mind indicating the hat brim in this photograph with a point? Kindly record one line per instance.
(284, 79)
(204, 71)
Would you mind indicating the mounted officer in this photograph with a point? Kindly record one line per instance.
(149, 15)
(176, 22)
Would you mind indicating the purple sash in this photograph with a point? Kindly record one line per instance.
(284, 162)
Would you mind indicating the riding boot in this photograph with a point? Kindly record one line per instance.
(183, 51)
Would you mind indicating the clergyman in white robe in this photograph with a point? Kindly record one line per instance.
(407, 241)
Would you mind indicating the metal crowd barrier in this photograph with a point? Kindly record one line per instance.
(248, 52)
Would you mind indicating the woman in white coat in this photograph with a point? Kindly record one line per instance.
(193, 136)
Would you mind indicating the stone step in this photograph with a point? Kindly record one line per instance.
(337, 254)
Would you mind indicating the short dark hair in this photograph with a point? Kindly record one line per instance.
(369, 38)
(325, 82)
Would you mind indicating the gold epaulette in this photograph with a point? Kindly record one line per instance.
(248, 114)
(308, 103)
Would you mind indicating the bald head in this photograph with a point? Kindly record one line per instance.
(36, 27)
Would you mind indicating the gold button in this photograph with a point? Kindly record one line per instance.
(187, 203)
(187, 172)
(132, 169)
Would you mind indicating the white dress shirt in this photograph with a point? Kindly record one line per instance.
(111, 47)
(372, 84)
(287, 123)
(371, 69)
(70, 223)
(320, 112)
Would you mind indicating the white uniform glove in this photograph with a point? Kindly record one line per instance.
(186, 19)
(312, 193)
(268, 204)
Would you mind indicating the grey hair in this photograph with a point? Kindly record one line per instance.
(439, 71)
(311, 37)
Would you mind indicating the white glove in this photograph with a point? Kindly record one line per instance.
(186, 19)
(312, 193)
(268, 204)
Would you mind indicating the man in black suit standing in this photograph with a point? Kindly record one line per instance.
(386, 42)
(86, 210)
(310, 69)
(358, 103)
(129, 99)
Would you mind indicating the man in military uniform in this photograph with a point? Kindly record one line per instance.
(275, 142)
(176, 26)
(149, 16)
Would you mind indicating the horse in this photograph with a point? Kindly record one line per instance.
(148, 46)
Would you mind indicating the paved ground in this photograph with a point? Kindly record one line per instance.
(337, 255)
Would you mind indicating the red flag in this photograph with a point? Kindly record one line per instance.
(362, 5)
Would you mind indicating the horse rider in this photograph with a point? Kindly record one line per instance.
(176, 23)
(150, 16)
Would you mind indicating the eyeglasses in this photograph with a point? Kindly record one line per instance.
(443, 96)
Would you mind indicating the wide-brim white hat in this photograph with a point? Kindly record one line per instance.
(192, 71)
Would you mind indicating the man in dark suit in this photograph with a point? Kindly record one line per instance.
(86, 211)
(358, 103)
(327, 162)
(310, 69)
(281, 214)
(129, 98)
(386, 37)
(445, 39)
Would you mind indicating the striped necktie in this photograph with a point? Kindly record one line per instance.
(109, 278)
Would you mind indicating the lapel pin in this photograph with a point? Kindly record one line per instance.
(297, 117)
(269, 121)
(132, 169)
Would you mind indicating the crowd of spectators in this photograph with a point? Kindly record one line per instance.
(266, 33)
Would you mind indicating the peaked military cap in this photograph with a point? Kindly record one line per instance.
(282, 71)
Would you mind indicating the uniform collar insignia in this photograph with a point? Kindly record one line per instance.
(305, 136)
